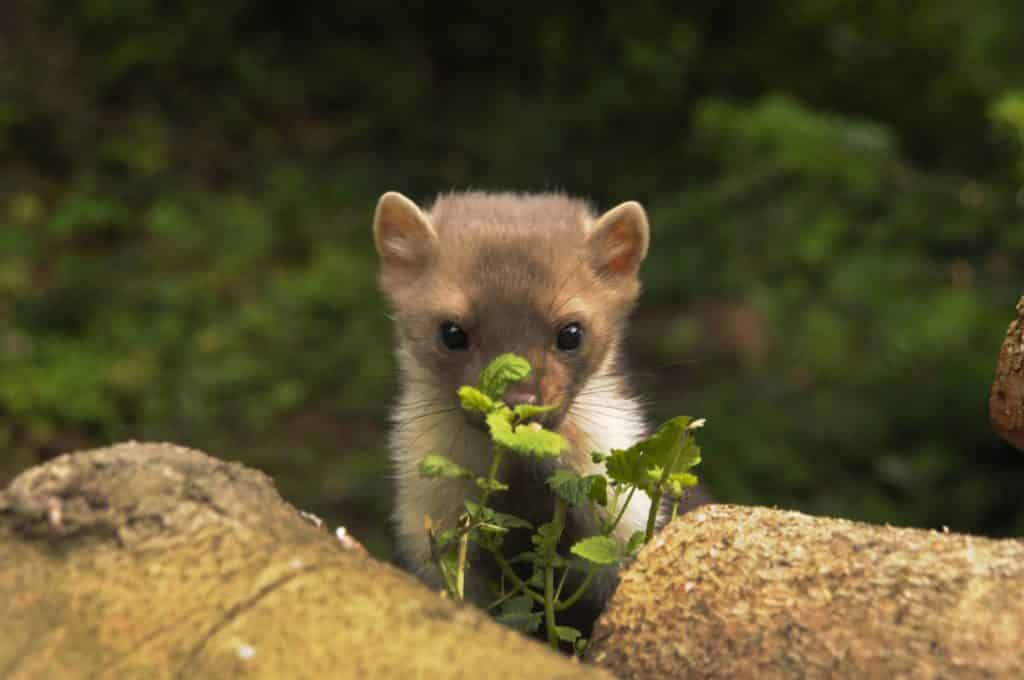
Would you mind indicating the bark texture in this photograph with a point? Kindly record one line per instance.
(741, 592)
(1006, 406)
(154, 561)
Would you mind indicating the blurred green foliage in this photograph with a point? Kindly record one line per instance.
(835, 189)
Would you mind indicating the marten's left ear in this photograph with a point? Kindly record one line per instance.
(618, 240)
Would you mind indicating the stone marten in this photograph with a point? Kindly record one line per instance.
(479, 274)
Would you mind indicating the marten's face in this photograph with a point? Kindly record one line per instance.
(482, 275)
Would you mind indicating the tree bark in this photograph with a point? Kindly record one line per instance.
(1006, 406)
(740, 592)
(154, 561)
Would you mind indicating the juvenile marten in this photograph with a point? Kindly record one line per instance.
(480, 274)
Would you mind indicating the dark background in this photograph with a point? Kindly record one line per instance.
(834, 188)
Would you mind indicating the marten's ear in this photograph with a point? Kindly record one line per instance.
(618, 240)
(401, 232)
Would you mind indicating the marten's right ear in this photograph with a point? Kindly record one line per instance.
(401, 232)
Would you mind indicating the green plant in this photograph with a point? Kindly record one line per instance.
(658, 466)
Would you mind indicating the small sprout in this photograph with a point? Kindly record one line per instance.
(658, 466)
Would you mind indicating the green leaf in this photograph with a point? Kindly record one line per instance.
(477, 512)
(598, 457)
(500, 426)
(517, 613)
(521, 604)
(510, 521)
(491, 484)
(473, 399)
(577, 489)
(527, 411)
(504, 369)
(530, 439)
(624, 466)
(545, 539)
(439, 466)
(599, 550)
(661, 446)
(446, 538)
(534, 440)
(635, 542)
(567, 634)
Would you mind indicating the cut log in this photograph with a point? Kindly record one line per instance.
(1006, 406)
(153, 561)
(740, 592)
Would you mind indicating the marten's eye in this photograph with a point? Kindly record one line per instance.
(453, 336)
(570, 336)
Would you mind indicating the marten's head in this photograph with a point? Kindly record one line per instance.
(480, 274)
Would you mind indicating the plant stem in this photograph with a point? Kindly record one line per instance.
(561, 507)
(549, 606)
(622, 511)
(652, 516)
(675, 508)
(511, 575)
(580, 589)
(460, 570)
(492, 475)
(507, 596)
(561, 582)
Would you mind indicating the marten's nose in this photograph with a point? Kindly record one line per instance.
(516, 397)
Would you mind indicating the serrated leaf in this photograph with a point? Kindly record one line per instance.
(529, 439)
(598, 492)
(545, 539)
(599, 550)
(576, 489)
(517, 612)
(624, 466)
(526, 411)
(688, 457)
(661, 446)
(524, 623)
(492, 485)
(520, 604)
(500, 427)
(445, 538)
(673, 445)
(567, 634)
(474, 400)
(536, 441)
(510, 521)
(439, 466)
(504, 369)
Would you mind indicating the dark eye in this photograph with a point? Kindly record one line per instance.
(570, 336)
(453, 336)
